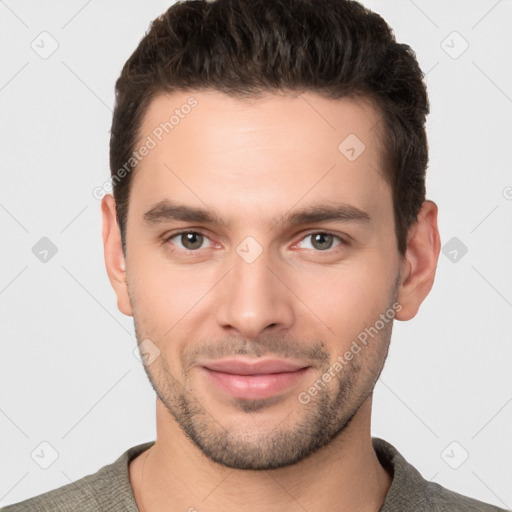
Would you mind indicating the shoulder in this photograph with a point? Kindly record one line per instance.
(410, 491)
(442, 499)
(107, 489)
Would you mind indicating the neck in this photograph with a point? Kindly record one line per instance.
(344, 475)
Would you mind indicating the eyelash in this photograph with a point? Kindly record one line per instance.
(343, 242)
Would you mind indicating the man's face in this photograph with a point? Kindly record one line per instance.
(259, 286)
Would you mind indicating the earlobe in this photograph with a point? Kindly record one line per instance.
(420, 262)
(114, 258)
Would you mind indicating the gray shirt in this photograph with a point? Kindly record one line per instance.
(109, 489)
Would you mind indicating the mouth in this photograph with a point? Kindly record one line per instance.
(254, 380)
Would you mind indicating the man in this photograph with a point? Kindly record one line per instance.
(268, 224)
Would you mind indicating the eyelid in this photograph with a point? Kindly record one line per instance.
(168, 236)
(344, 239)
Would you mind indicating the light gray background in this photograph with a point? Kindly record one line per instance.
(68, 375)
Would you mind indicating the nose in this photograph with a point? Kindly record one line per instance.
(253, 298)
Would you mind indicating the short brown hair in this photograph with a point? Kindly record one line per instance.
(334, 48)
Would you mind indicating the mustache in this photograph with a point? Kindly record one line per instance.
(274, 345)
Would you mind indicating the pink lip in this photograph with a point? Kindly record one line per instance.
(253, 380)
(241, 367)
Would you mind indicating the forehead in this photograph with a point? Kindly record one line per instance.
(260, 154)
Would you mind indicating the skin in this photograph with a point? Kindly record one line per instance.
(252, 162)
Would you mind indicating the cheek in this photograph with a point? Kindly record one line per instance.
(165, 292)
(350, 298)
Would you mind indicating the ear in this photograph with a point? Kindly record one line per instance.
(420, 261)
(114, 257)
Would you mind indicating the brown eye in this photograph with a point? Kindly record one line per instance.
(188, 240)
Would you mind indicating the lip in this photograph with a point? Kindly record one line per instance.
(253, 380)
(247, 367)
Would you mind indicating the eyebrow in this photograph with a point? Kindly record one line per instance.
(166, 210)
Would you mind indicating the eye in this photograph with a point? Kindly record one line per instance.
(189, 240)
(192, 241)
(323, 241)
